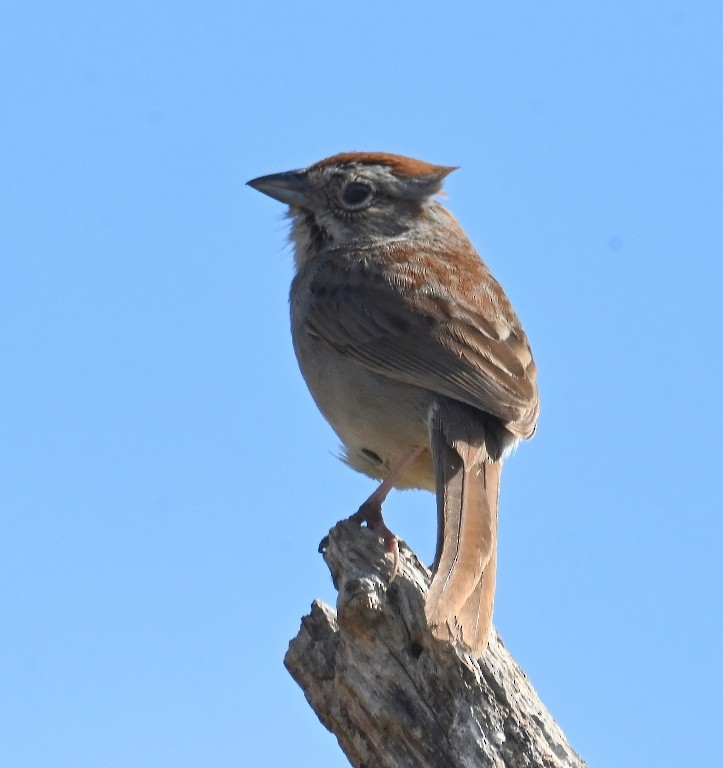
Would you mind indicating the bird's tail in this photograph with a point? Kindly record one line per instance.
(461, 597)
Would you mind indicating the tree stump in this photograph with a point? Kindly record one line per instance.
(395, 696)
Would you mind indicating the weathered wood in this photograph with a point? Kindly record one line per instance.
(392, 694)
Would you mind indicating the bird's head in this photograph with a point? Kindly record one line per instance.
(355, 198)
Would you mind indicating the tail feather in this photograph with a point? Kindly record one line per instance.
(461, 596)
(475, 618)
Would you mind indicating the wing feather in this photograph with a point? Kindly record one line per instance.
(469, 353)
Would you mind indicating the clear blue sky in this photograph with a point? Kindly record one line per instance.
(164, 476)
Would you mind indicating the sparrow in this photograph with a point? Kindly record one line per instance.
(414, 355)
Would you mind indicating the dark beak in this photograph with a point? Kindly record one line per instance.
(291, 187)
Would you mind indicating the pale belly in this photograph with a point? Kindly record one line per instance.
(379, 421)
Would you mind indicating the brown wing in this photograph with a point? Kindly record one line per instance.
(474, 350)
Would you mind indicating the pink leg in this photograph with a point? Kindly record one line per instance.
(370, 511)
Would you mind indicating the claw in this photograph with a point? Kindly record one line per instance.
(370, 513)
(392, 546)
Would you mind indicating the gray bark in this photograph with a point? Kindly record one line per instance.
(392, 694)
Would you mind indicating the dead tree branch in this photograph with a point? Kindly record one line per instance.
(392, 694)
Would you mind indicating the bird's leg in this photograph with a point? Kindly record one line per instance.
(370, 512)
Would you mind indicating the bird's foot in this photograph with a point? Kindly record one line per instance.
(370, 513)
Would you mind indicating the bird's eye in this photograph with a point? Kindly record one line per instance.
(356, 194)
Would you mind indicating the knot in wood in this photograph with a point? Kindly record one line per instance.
(361, 602)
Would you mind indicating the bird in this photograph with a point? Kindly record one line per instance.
(414, 355)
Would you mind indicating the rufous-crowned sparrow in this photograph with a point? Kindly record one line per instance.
(414, 355)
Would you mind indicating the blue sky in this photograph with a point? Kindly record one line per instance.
(164, 476)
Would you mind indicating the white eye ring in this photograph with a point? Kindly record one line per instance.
(356, 194)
